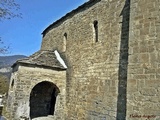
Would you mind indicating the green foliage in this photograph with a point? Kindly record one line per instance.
(4, 84)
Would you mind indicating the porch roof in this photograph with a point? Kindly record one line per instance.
(43, 59)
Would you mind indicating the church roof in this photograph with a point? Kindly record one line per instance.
(42, 59)
(84, 6)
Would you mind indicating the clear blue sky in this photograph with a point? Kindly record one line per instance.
(23, 35)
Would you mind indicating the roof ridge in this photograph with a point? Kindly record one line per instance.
(71, 13)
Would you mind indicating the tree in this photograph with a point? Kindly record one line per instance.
(3, 49)
(4, 84)
(8, 9)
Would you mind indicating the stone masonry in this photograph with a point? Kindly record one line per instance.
(111, 49)
(32, 85)
(143, 83)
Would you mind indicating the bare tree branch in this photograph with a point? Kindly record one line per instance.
(3, 49)
(8, 9)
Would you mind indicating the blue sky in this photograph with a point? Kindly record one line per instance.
(23, 35)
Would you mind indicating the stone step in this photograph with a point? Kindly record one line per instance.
(50, 117)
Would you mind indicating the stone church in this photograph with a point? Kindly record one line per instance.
(100, 61)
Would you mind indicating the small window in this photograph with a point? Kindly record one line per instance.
(95, 23)
(64, 41)
(12, 84)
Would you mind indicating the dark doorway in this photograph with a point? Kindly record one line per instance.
(43, 99)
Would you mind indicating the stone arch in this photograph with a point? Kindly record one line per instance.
(43, 99)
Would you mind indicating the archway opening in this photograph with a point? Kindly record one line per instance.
(43, 99)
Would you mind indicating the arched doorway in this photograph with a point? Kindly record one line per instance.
(43, 99)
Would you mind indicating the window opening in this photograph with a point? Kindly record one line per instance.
(12, 84)
(64, 42)
(95, 23)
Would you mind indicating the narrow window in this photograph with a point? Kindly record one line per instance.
(95, 23)
(12, 84)
(64, 42)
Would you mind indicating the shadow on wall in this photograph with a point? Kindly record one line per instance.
(123, 63)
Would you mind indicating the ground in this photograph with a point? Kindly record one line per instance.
(50, 117)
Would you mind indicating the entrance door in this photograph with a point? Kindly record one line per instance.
(43, 99)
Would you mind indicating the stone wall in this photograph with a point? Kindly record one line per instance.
(111, 48)
(143, 88)
(93, 67)
(24, 79)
